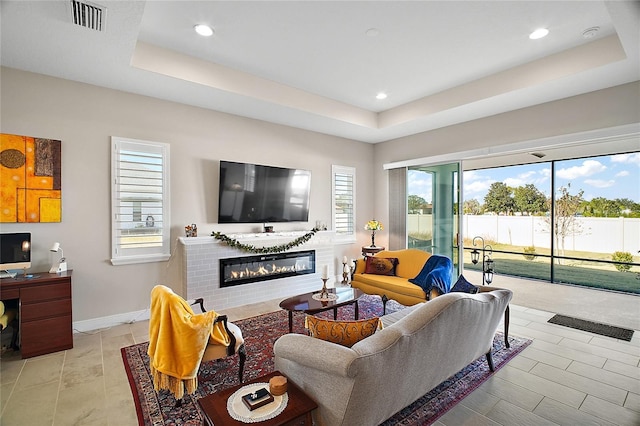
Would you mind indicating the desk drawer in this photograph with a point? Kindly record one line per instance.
(13, 293)
(46, 336)
(35, 311)
(39, 293)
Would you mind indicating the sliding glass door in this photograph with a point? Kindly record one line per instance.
(433, 200)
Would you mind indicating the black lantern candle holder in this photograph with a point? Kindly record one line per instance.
(487, 263)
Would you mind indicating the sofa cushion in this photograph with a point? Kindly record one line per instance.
(464, 286)
(345, 333)
(436, 272)
(389, 284)
(410, 261)
(381, 265)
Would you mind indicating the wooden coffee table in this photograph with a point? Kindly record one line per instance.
(298, 408)
(307, 304)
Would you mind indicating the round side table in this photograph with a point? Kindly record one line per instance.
(370, 251)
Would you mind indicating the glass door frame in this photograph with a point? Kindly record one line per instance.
(455, 191)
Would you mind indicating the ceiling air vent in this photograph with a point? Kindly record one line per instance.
(88, 15)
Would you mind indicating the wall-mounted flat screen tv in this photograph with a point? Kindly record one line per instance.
(253, 193)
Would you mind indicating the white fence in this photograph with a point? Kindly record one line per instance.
(593, 234)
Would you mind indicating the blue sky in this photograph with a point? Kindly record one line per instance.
(611, 177)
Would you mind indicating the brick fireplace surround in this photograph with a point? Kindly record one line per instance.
(201, 275)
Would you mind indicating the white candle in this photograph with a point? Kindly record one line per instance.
(344, 259)
(325, 272)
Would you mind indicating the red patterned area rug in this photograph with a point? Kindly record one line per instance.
(260, 333)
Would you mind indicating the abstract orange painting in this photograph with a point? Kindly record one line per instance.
(30, 179)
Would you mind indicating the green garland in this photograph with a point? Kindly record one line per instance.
(232, 242)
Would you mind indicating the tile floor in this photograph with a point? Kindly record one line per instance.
(565, 377)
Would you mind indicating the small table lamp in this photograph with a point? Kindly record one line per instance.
(61, 265)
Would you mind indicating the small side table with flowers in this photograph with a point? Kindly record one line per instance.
(370, 251)
(373, 226)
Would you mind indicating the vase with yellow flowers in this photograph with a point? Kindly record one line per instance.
(373, 226)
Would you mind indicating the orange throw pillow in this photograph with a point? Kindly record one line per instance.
(345, 333)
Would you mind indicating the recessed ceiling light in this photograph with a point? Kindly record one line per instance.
(539, 33)
(380, 96)
(203, 30)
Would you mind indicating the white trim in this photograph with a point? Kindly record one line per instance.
(609, 134)
(125, 256)
(351, 171)
(129, 260)
(110, 321)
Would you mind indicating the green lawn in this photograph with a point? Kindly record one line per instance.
(588, 276)
(578, 272)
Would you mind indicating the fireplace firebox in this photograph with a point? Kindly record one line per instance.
(248, 269)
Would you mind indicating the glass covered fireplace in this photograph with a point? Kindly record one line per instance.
(248, 269)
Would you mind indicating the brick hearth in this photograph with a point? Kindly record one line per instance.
(201, 275)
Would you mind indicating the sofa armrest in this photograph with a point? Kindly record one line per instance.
(507, 315)
(311, 352)
(487, 288)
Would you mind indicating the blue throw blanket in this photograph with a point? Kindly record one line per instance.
(436, 272)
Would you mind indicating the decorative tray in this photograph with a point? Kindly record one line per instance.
(240, 412)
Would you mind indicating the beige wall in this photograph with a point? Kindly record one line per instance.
(602, 109)
(84, 117)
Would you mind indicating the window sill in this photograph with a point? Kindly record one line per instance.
(140, 259)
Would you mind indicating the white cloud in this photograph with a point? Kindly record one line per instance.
(534, 177)
(599, 183)
(515, 182)
(477, 187)
(633, 158)
(472, 175)
(588, 168)
(418, 185)
(622, 173)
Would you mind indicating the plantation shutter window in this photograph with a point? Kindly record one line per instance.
(140, 201)
(343, 194)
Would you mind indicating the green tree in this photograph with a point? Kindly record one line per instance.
(529, 199)
(602, 207)
(415, 204)
(499, 199)
(472, 206)
(628, 207)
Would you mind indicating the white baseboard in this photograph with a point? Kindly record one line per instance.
(110, 321)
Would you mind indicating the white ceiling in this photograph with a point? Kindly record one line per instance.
(312, 65)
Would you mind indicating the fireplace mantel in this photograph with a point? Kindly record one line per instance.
(268, 238)
(201, 277)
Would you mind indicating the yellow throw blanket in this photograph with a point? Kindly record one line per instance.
(177, 341)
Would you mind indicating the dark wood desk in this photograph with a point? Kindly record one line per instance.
(299, 406)
(45, 314)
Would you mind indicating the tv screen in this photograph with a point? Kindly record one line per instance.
(253, 193)
(15, 250)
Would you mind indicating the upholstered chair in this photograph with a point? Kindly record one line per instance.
(9, 318)
(180, 340)
(216, 351)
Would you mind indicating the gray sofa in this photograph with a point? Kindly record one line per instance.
(378, 376)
